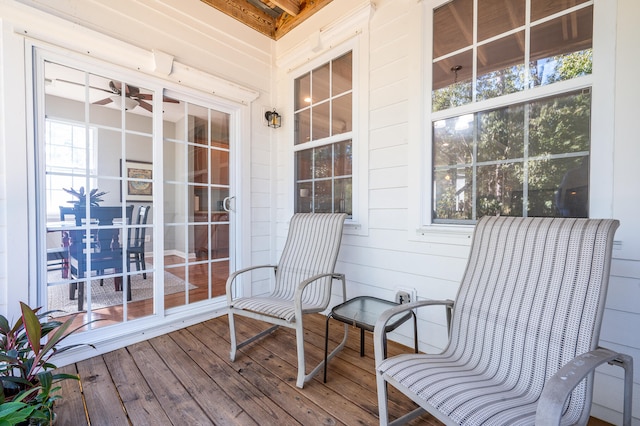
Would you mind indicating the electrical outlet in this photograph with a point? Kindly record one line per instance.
(147, 238)
(403, 297)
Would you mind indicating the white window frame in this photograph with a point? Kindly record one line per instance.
(601, 81)
(333, 139)
(350, 32)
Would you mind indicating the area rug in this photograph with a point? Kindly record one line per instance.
(105, 295)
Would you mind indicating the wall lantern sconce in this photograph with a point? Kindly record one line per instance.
(273, 119)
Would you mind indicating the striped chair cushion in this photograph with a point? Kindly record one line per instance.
(311, 248)
(531, 299)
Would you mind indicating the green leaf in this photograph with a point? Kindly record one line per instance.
(32, 327)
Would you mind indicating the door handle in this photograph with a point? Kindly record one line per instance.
(226, 203)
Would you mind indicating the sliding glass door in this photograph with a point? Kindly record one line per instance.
(121, 236)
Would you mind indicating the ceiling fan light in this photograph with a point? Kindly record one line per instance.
(129, 103)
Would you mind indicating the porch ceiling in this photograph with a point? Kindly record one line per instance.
(273, 18)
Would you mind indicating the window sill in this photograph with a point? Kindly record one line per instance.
(452, 234)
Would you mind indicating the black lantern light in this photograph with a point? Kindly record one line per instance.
(273, 119)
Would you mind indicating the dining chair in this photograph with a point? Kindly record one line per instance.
(58, 257)
(524, 330)
(135, 247)
(302, 285)
(98, 252)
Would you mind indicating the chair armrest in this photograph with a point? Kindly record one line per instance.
(235, 274)
(381, 323)
(297, 297)
(558, 388)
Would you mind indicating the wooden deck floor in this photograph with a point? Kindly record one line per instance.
(186, 378)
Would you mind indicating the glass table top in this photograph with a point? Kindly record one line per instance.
(364, 311)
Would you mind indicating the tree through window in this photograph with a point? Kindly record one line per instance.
(527, 155)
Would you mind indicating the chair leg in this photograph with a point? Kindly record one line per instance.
(232, 337)
(300, 350)
(383, 411)
(144, 265)
(80, 296)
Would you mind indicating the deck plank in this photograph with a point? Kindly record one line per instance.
(178, 404)
(101, 396)
(140, 403)
(198, 371)
(72, 403)
(186, 377)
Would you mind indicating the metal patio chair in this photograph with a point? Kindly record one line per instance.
(303, 281)
(523, 339)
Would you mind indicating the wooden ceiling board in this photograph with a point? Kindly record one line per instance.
(285, 14)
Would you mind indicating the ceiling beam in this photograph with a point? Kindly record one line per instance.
(292, 7)
(246, 13)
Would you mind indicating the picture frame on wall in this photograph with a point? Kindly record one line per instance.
(138, 180)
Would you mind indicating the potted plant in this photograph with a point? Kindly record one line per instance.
(94, 197)
(28, 386)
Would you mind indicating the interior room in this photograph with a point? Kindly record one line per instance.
(152, 148)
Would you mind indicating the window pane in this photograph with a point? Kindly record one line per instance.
(321, 120)
(501, 134)
(304, 164)
(453, 141)
(541, 9)
(343, 158)
(561, 48)
(453, 193)
(323, 162)
(499, 190)
(341, 122)
(341, 74)
(343, 196)
(559, 187)
(453, 24)
(499, 16)
(452, 81)
(320, 83)
(302, 89)
(323, 196)
(302, 131)
(501, 67)
(560, 124)
(304, 193)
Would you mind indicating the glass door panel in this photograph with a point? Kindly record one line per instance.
(196, 223)
(96, 177)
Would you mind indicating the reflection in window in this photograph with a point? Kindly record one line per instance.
(487, 164)
(559, 48)
(323, 179)
(530, 156)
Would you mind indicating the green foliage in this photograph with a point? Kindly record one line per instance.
(27, 384)
(94, 196)
(511, 160)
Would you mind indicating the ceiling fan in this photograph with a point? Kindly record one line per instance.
(132, 96)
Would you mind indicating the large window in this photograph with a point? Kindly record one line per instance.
(511, 108)
(323, 138)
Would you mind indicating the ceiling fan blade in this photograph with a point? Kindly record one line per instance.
(145, 105)
(170, 100)
(145, 96)
(82, 85)
(103, 101)
(132, 90)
